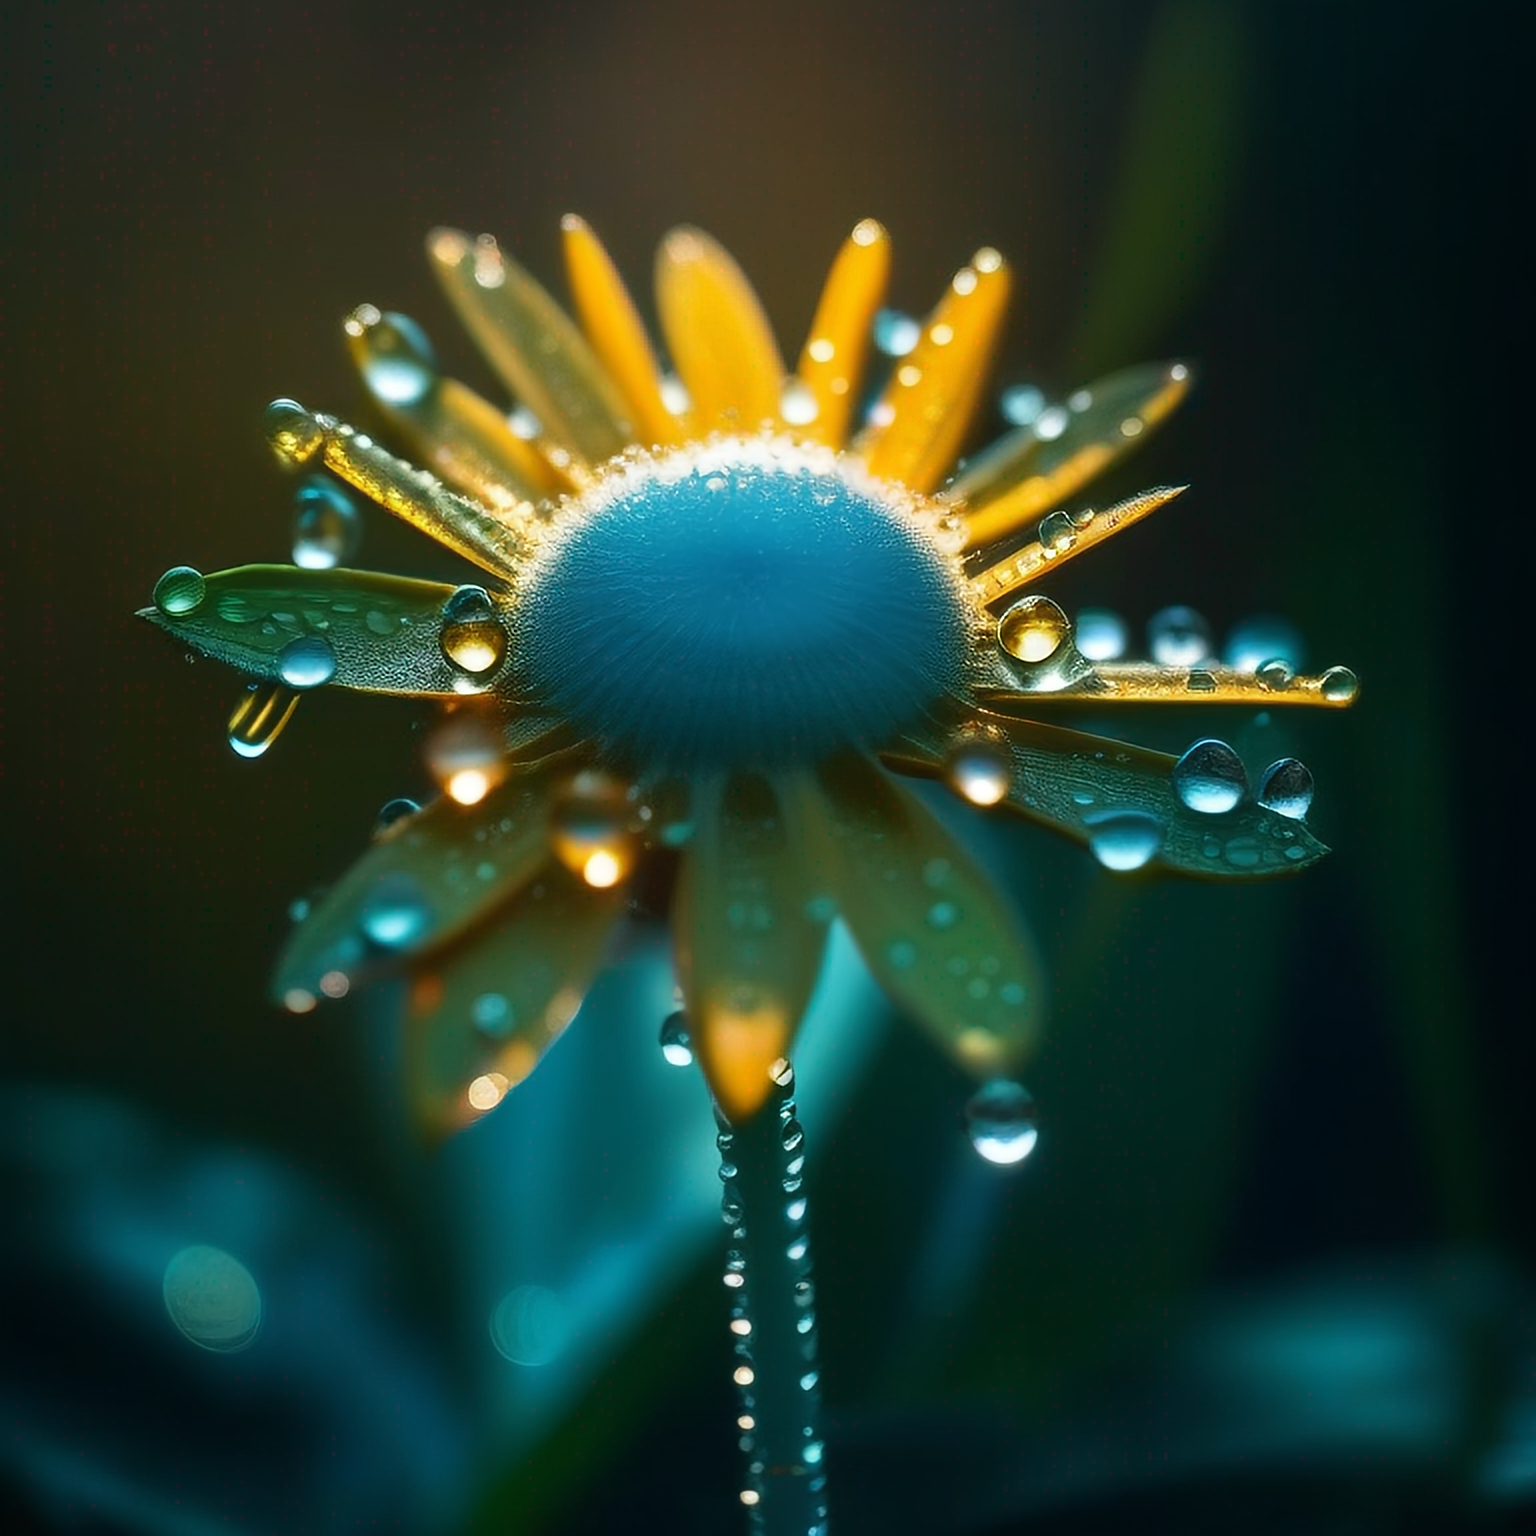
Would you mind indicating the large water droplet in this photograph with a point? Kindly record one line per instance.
(464, 754)
(180, 591)
(979, 768)
(1021, 404)
(895, 333)
(797, 405)
(1275, 674)
(258, 718)
(1210, 778)
(1123, 840)
(295, 436)
(395, 914)
(1100, 634)
(1000, 1121)
(1256, 640)
(676, 1045)
(1033, 629)
(1287, 788)
(326, 525)
(306, 662)
(472, 637)
(1178, 637)
(212, 1298)
(529, 1325)
(397, 361)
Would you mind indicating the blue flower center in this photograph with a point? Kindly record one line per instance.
(741, 604)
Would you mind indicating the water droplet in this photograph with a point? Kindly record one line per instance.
(1262, 638)
(1210, 778)
(1051, 423)
(326, 525)
(259, 716)
(306, 662)
(529, 1325)
(472, 636)
(180, 591)
(491, 1014)
(464, 755)
(391, 814)
(675, 1043)
(395, 914)
(1287, 788)
(394, 354)
(1275, 674)
(212, 1298)
(1033, 629)
(1000, 1121)
(1057, 533)
(294, 435)
(979, 768)
(589, 828)
(1021, 404)
(1178, 637)
(1338, 685)
(895, 333)
(1100, 634)
(1123, 840)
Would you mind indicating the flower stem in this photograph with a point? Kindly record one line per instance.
(773, 1316)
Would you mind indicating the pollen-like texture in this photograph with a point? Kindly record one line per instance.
(747, 603)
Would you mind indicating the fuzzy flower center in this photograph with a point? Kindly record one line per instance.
(745, 602)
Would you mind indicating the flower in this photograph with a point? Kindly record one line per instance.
(723, 615)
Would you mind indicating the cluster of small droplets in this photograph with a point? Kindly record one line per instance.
(767, 1274)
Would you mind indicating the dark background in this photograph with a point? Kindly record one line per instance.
(1272, 1092)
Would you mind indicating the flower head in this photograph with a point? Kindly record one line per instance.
(723, 614)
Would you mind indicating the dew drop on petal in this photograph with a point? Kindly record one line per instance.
(1101, 634)
(1338, 685)
(180, 591)
(1287, 788)
(979, 769)
(1123, 840)
(1000, 1122)
(1033, 629)
(398, 364)
(1051, 423)
(472, 637)
(1262, 638)
(589, 829)
(212, 1298)
(1210, 778)
(797, 405)
(294, 435)
(529, 1326)
(395, 914)
(464, 754)
(306, 662)
(1057, 533)
(1178, 637)
(391, 814)
(326, 525)
(676, 1045)
(1021, 404)
(1275, 674)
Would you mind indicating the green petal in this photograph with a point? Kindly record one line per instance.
(1079, 784)
(423, 883)
(381, 632)
(483, 1012)
(931, 926)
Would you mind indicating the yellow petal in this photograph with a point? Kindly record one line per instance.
(483, 1012)
(920, 420)
(535, 347)
(448, 427)
(608, 316)
(1034, 469)
(832, 361)
(424, 882)
(930, 925)
(719, 337)
(750, 930)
